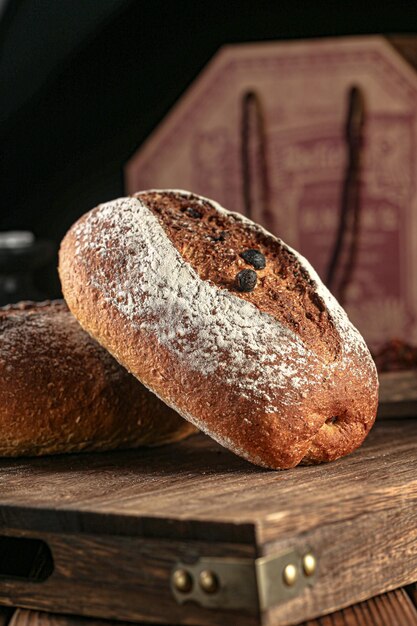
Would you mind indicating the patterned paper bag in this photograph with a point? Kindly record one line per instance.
(262, 130)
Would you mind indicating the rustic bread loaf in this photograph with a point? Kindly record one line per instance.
(62, 392)
(225, 323)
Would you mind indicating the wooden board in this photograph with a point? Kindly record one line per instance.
(394, 608)
(187, 489)
(398, 394)
(117, 523)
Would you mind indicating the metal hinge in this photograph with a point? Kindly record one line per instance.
(255, 584)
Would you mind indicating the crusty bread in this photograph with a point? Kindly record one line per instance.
(266, 362)
(62, 392)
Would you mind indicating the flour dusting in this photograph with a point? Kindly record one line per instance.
(208, 329)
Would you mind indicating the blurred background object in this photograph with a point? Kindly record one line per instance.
(20, 256)
(83, 83)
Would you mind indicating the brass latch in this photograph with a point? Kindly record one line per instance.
(255, 584)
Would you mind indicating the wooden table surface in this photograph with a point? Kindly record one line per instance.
(196, 488)
(396, 608)
(139, 510)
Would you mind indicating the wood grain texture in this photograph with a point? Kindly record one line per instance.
(122, 578)
(358, 558)
(368, 549)
(390, 609)
(397, 394)
(196, 486)
(140, 512)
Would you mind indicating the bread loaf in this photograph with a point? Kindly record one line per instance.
(226, 323)
(62, 392)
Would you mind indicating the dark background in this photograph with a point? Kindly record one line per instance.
(83, 82)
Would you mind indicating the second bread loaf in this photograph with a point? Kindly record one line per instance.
(60, 391)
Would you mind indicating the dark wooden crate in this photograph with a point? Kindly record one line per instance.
(117, 525)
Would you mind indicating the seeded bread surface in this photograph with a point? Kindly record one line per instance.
(60, 391)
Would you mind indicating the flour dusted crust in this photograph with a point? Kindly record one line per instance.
(249, 377)
(60, 391)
